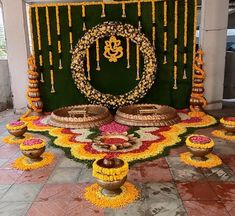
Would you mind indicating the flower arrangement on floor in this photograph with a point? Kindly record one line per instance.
(228, 133)
(212, 160)
(17, 130)
(34, 156)
(22, 163)
(200, 148)
(128, 195)
(111, 191)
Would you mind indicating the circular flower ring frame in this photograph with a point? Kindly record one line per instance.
(108, 29)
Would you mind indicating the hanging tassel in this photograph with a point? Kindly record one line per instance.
(60, 64)
(165, 59)
(185, 75)
(42, 78)
(123, 10)
(84, 26)
(103, 11)
(83, 16)
(139, 15)
(52, 81)
(71, 48)
(137, 62)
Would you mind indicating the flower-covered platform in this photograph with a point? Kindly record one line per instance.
(139, 143)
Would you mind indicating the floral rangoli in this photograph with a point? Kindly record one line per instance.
(148, 142)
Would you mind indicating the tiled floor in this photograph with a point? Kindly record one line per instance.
(167, 186)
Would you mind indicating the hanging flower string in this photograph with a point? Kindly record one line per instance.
(97, 55)
(103, 11)
(50, 50)
(165, 32)
(185, 37)
(137, 62)
(175, 87)
(58, 36)
(139, 15)
(84, 17)
(153, 23)
(123, 10)
(70, 29)
(128, 52)
(39, 45)
(88, 64)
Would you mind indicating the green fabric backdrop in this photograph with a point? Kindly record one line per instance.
(115, 78)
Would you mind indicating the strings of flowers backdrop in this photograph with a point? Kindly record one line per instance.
(169, 25)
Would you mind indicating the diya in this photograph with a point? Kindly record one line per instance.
(33, 149)
(199, 146)
(110, 174)
(17, 129)
(228, 124)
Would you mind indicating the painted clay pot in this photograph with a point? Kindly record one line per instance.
(111, 188)
(18, 133)
(229, 127)
(34, 155)
(199, 153)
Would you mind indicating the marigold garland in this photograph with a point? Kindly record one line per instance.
(139, 14)
(223, 135)
(97, 55)
(58, 35)
(109, 174)
(70, 27)
(165, 32)
(12, 140)
(50, 52)
(22, 163)
(38, 33)
(94, 195)
(137, 62)
(189, 143)
(153, 23)
(128, 52)
(175, 87)
(212, 160)
(185, 37)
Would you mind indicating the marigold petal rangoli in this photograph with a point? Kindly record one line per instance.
(149, 141)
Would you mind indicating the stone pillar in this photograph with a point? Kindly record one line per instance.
(17, 50)
(213, 36)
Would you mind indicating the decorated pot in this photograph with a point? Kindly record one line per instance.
(110, 174)
(228, 124)
(34, 155)
(199, 146)
(33, 149)
(17, 128)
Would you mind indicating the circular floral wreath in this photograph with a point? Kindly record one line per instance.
(105, 30)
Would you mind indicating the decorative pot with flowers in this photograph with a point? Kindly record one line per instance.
(17, 129)
(110, 173)
(199, 146)
(33, 149)
(229, 124)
